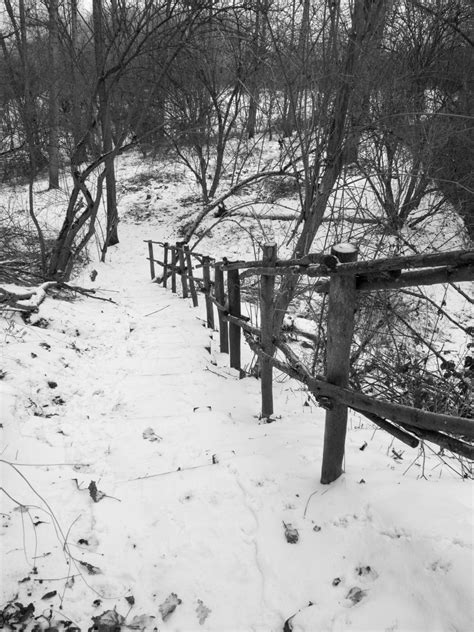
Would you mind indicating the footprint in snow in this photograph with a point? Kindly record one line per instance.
(202, 612)
(150, 435)
(355, 595)
(366, 571)
(440, 566)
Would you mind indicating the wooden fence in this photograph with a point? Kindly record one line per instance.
(220, 284)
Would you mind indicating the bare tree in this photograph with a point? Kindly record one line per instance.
(323, 162)
(204, 100)
(258, 47)
(137, 26)
(416, 134)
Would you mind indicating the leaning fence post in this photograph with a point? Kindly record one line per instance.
(219, 292)
(233, 290)
(341, 308)
(173, 269)
(266, 327)
(207, 290)
(189, 266)
(165, 263)
(152, 260)
(182, 268)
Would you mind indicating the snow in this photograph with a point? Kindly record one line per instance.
(193, 494)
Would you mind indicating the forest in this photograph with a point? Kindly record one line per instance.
(235, 129)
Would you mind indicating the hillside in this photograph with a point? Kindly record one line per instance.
(141, 491)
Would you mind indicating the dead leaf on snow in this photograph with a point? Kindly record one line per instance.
(356, 594)
(291, 534)
(92, 570)
(108, 621)
(95, 494)
(141, 622)
(150, 435)
(169, 605)
(17, 613)
(70, 582)
(202, 612)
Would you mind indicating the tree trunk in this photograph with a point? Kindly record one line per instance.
(53, 147)
(105, 120)
(80, 145)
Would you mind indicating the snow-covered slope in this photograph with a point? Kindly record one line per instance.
(140, 488)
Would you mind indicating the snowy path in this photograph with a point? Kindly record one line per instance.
(136, 400)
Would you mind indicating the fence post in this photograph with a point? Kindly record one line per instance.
(266, 327)
(165, 263)
(341, 308)
(233, 290)
(207, 289)
(152, 260)
(173, 269)
(219, 292)
(182, 268)
(189, 266)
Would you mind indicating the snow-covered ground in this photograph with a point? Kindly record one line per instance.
(140, 488)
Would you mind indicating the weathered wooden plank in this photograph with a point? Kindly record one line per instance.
(233, 291)
(182, 268)
(315, 257)
(207, 291)
(152, 260)
(311, 271)
(165, 263)
(423, 419)
(173, 269)
(340, 327)
(395, 431)
(221, 299)
(430, 260)
(417, 277)
(267, 287)
(189, 275)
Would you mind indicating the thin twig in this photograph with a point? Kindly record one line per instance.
(89, 292)
(53, 579)
(44, 464)
(156, 311)
(307, 502)
(462, 293)
(180, 469)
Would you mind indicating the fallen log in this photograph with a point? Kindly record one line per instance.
(26, 301)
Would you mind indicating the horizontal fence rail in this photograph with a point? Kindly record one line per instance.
(345, 276)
